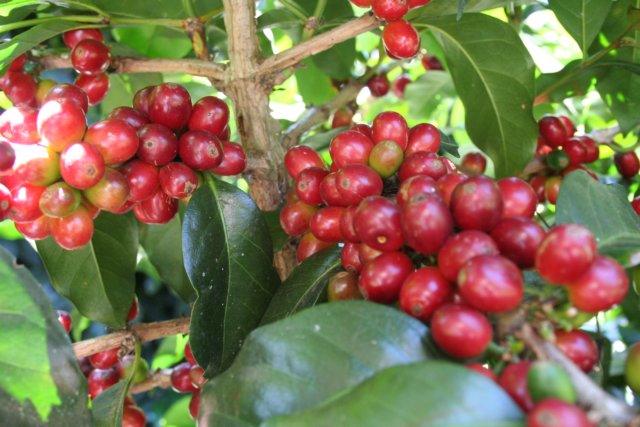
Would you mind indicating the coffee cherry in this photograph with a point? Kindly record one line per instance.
(132, 416)
(158, 144)
(461, 331)
(558, 160)
(20, 88)
(142, 178)
(196, 375)
(367, 253)
(299, 158)
(104, 359)
(170, 105)
(514, 381)
(382, 278)
(110, 193)
(36, 164)
(518, 239)
(343, 286)
(430, 62)
(578, 346)
(635, 204)
(423, 291)
(356, 182)
(566, 253)
(401, 40)
(350, 148)
(491, 283)
(142, 99)
(518, 197)
(61, 123)
(423, 137)
(188, 354)
(420, 184)
(422, 163)
(209, 113)
(325, 224)
(101, 379)
(426, 223)
(19, 125)
(135, 118)
(361, 3)
(576, 150)
(308, 185)
(37, 229)
(603, 285)
(194, 404)
(59, 199)
(295, 217)
(180, 380)
(627, 164)
(552, 188)
(557, 413)
(390, 126)
(553, 131)
(482, 370)
(90, 56)
(462, 247)
(96, 86)
(448, 184)
(68, 92)
(65, 320)
(377, 223)
(25, 200)
(71, 38)
(378, 85)
(81, 165)
(399, 85)
(350, 257)
(474, 163)
(591, 149)
(329, 191)
(5, 201)
(233, 159)
(363, 129)
(157, 209)
(200, 149)
(133, 310)
(385, 158)
(74, 230)
(341, 118)
(116, 140)
(477, 204)
(632, 367)
(389, 10)
(18, 63)
(310, 245)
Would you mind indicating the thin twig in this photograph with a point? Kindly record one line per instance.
(157, 379)
(143, 332)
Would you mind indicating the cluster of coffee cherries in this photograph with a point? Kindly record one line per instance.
(58, 174)
(401, 40)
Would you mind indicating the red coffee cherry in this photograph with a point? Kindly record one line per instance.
(477, 204)
(378, 85)
(325, 224)
(209, 113)
(566, 253)
(377, 223)
(627, 164)
(143, 179)
(68, 92)
(180, 380)
(59, 199)
(194, 404)
(576, 150)
(295, 217)
(382, 278)
(233, 161)
(462, 247)
(420, 184)
(101, 379)
(399, 85)
(19, 125)
(518, 239)
(367, 253)
(196, 375)
(74, 230)
(110, 193)
(390, 126)
(133, 310)
(518, 197)
(37, 229)
(592, 152)
(363, 129)
(71, 38)
(430, 62)
(423, 291)
(461, 331)
(423, 137)
(200, 149)
(422, 163)
(308, 185)
(116, 140)
(65, 320)
(136, 118)
(142, 99)
(426, 223)
(61, 123)
(569, 127)
(310, 245)
(20, 88)
(18, 63)
(557, 413)
(514, 381)
(170, 105)
(474, 163)
(104, 359)
(389, 10)
(158, 144)
(603, 285)
(188, 354)
(401, 39)
(635, 204)
(329, 191)
(343, 286)
(356, 182)
(578, 346)
(350, 148)
(301, 157)
(81, 165)
(482, 370)
(553, 131)
(132, 416)
(350, 257)
(157, 209)
(90, 56)
(36, 164)
(448, 184)
(25, 202)
(96, 86)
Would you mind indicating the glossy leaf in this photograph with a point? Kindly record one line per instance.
(605, 210)
(449, 7)
(305, 287)
(163, 245)
(314, 85)
(432, 393)
(99, 278)
(448, 145)
(581, 18)
(156, 8)
(312, 356)
(427, 91)
(155, 41)
(228, 257)
(321, 140)
(40, 380)
(493, 74)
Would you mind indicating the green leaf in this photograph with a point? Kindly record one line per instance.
(572, 80)
(305, 359)
(448, 145)
(99, 278)
(321, 140)
(337, 61)
(427, 91)
(581, 18)
(314, 85)
(432, 393)
(229, 259)
(153, 9)
(40, 380)
(449, 7)
(606, 211)
(305, 287)
(155, 41)
(494, 76)
(163, 245)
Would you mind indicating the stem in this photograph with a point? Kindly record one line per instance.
(188, 7)
(157, 379)
(312, 23)
(144, 332)
(176, 23)
(204, 18)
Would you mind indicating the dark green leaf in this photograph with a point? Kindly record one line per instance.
(155, 41)
(314, 86)
(40, 380)
(163, 245)
(305, 287)
(572, 80)
(448, 145)
(99, 278)
(494, 76)
(320, 141)
(303, 360)
(427, 91)
(606, 211)
(337, 61)
(581, 18)
(229, 259)
(171, 9)
(449, 7)
(433, 393)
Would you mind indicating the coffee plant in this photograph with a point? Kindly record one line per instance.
(320, 213)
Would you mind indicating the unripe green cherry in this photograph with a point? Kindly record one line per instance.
(632, 367)
(385, 158)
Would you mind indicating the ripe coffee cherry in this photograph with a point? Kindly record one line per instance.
(537, 183)
(378, 85)
(19, 125)
(423, 291)
(310, 245)
(576, 150)
(591, 148)
(81, 165)
(101, 379)
(116, 140)
(36, 164)
(188, 354)
(110, 193)
(74, 230)
(461, 331)
(5, 201)
(194, 404)
(341, 118)
(350, 148)
(59, 199)
(423, 137)
(569, 127)
(233, 160)
(90, 56)
(367, 253)
(180, 381)
(37, 229)
(552, 188)
(462, 247)
(356, 182)
(491, 283)
(325, 224)
(158, 144)
(518, 239)
(135, 118)
(518, 197)
(377, 223)
(477, 204)
(20, 88)
(363, 129)
(422, 163)
(426, 223)
(61, 123)
(142, 99)
(635, 204)
(132, 416)
(390, 126)
(343, 286)
(627, 164)
(295, 217)
(196, 375)
(104, 359)
(361, 3)
(417, 3)
(382, 278)
(18, 63)
(420, 184)
(557, 413)
(482, 370)
(448, 184)
(157, 209)
(329, 191)
(350, 257)
(566, 253)
(65, 320)
(142, 178)
(170, 105)
(200, 149)
(71, 38)
(301, 157)
(209, 113)
(308, 185)
(603, 285)
(401, 40)
(578, 346)
(68, 92)
(553, 131)
(389, 10)
(514, 381)
(25, 199)
(474, 163)
(399, 85)
(95, 86)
